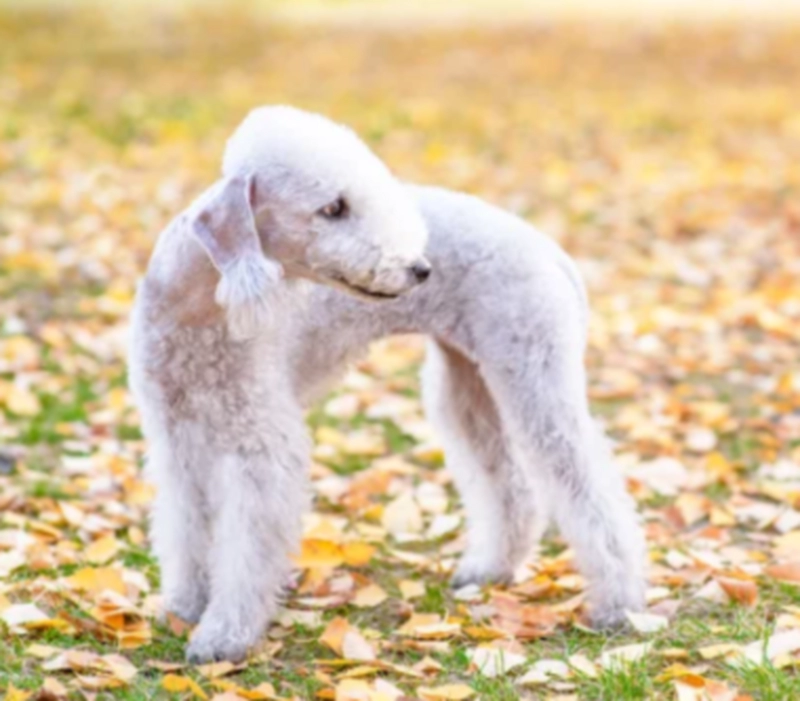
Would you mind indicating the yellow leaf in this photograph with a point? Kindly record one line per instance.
(96, 579)
(620, 656)
(411, 589)
(102, 550)
(357, 554)
(353, 690)
(788, 544)
(428, 626)
(712, 652)
(647, 622)
(692, 507)
(333, 635)
(54, 687)
(42, 652)
(30, 617)
(178, 684)
(318, 553)
(22, 401)
(14, 694)
(447, 692)
(369, 596)
(217, 669)
(134, 635)
(484, 633)
(120, 667)
(263, 692)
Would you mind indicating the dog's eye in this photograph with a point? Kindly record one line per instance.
(335, 210)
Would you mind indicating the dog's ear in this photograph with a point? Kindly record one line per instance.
(224, 225)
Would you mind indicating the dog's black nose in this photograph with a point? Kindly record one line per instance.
(421, 270)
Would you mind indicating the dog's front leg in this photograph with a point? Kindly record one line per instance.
(261, 495)
(179, 527)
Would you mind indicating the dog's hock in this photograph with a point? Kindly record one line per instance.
(223, 223)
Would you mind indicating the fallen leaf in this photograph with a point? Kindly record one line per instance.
(647, 622)
(787, 572)
(357, 554)
(494, 662)
(369, 596)
(355, 647)
(626, 654)
(102, 550)
(333, 635)
(777, 644)
(96, 579)
(402, 516)
(446, 692)
(319, 553)
(179, 685)
(411, 589)
(741, 590)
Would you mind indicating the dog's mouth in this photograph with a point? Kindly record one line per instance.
(342, 283)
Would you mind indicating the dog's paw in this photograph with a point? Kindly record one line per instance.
(612, 599)
(472, 571)
(611, 616)
(211, 643)
(608, 620)
(189, 610)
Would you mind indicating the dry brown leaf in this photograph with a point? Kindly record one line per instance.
(522, 621)
(741, 590)
(787, 572)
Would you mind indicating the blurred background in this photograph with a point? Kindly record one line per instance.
(658, 141)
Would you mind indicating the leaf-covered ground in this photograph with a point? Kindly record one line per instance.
(666, 159)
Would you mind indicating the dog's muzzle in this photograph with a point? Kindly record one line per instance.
(412, 276)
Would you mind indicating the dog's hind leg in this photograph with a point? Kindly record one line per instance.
(179, 530)
(504, 515)
(543, 400)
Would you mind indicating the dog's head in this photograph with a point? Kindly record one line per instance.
(304, 195)
(325, 206)
(318, 203)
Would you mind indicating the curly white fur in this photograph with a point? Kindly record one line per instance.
(222, 406)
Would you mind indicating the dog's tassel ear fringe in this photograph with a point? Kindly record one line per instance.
(244, 292)
(223, 224)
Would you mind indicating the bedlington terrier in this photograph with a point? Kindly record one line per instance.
(233, 336)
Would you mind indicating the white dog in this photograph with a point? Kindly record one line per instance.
(231, 340)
